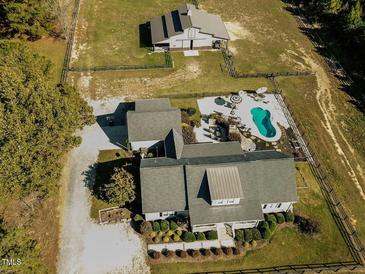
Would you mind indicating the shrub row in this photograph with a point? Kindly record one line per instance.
(199, 236)
(265, 228)
(163, 225)
(228, 251)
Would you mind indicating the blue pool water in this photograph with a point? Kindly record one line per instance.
(261, 118)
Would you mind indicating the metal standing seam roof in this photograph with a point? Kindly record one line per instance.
(224, 183)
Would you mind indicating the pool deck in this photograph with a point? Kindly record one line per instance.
(268, 102)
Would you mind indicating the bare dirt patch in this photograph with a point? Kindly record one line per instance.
(330, 123)
(236, 31)
(136, 87)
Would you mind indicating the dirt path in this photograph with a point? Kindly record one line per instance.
(330, 123)
(87, 247)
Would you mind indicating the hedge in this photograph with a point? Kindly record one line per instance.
(179, 232)
(239, 235)
(170, 233)
(266, 233)
(270, 217)
(272, 225)
(173, 225)
(176, 238)
(145, 228)
(165, 226)
(256, 235)
(263, 225)
(188, 237)
(200, 236)
(166, 239)
(289, 217)
(280, 218)
(156, 226)
(248, 235)
(212, 235)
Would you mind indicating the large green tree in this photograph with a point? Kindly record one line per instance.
(37, 121)
(30, 17)
(19, 253)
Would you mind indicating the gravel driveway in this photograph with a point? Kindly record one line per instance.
(87, 247)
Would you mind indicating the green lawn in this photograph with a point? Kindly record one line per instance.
(288, 246)
(108, 31)
(54, 50)
(301, 94)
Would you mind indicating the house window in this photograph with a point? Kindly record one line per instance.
(160, 214)
(278, 205)
(264, 206)
(231, 201)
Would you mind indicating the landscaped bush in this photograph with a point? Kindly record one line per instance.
(217, 251)
(233, 136)
(182, 253)
(169, 254)
(156, 240)
(289, 217)
(156, 255)
(156, 226)
(236, 251)
(248, 235)
(246, 245)
(179, 232)
(256, 235)
(195, 253)
(263, 225)
(188, 135)
(266, 233)
(138, 218)
(239, 235)
(153, 234)
(200, 236)
(191, 111)
(185, 117)
(207, 252)
(176, 238)
(170, 233)
(212, 235)
(228, 251)
(166, 239)
(160, 233)
(145, 228)
(272, 225)
(306, 225)
(280, 218)
(188, 237)
(173, 225)
(165, 226)
(253, 243)
(270, 217)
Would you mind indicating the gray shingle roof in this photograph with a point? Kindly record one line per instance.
(175, 22)
(200, 210)
(224, 183)
(163, 189)
(152, 105)
(211, 149)
(148, 126)
(174, 144)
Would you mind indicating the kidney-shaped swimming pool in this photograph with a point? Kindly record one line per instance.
(261, 118)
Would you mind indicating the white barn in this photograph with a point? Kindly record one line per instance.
(188, 28)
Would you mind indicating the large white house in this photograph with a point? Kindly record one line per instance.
(187, 28)
(216, 185)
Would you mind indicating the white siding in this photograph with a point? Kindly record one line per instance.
(199, 39)
(276, 207)
(247, 224)
(145, 144)
(159, 215)
(226, 202)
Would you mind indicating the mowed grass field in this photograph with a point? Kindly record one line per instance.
(109, 31)
(288, 245)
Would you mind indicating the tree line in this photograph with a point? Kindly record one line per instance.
(33, 18)
(342, 23)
